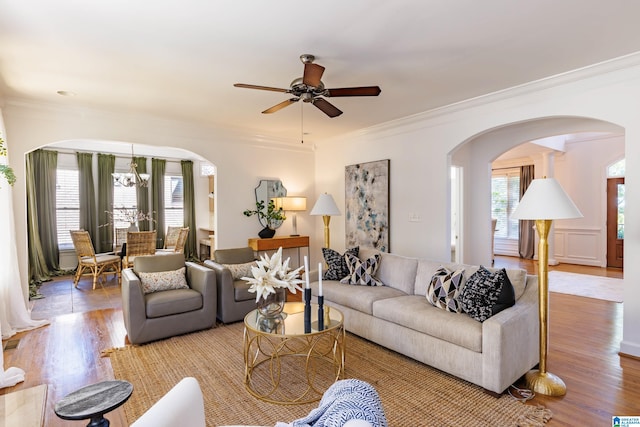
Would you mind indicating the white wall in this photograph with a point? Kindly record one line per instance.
(240, 163)
(602, 98)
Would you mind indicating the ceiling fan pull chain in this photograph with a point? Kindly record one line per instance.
(301, 123)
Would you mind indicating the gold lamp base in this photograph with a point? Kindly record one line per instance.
(545, 383)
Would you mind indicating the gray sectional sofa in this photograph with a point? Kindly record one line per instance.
(492, 354)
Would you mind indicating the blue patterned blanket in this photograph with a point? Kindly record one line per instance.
(346, 400)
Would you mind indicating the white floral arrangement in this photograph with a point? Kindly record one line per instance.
(270, 274)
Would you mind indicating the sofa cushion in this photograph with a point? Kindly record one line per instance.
(481, 292)
(163, 280)
(362, 272)
(360, 298)
(239, 271)
(415, 312)
(336, 263)
(444, 289)
(241, 291)
(424, 272)
(159, 304)
(397, 271)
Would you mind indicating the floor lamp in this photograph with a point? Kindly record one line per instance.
(292, 204)
(544, 201)
(326, 207)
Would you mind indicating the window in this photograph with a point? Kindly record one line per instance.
(125, 204)
(505, 195)
(173, 201)
(67, 206)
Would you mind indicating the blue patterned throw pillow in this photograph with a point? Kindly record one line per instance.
(444, 289)
(337, 264)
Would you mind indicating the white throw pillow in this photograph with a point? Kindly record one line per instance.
(163, 280)
(238, 271)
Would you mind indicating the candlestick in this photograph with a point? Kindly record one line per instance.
(307, 310)
(306, 272)
(319, 279)
(320, 313)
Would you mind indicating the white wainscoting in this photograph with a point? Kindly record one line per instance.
(584, 246)
(507, 247)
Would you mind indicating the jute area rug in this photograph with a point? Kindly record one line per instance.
(412, 394)
(583, 285)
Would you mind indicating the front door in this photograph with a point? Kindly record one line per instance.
(615, 222)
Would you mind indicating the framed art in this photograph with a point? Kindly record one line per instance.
(367, 205)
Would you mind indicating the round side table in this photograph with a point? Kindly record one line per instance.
(93, 401)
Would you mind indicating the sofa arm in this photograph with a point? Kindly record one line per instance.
(224, 282)
(134, 309)
(203, 280)
(510, 341)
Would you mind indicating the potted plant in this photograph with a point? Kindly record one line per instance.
(269, 216)
(5, 170)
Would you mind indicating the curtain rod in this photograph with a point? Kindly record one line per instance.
(117, 155)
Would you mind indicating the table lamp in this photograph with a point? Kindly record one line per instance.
(292, 204)
(544, 201)
(326, 207)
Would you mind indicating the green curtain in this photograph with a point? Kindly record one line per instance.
(158, 167)
(42, 236)
(106, 166)
(87, 194)
(142, 194)
(189, 208)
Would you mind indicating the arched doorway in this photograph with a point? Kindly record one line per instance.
(475, 157)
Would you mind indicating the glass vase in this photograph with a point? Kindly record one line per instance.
(273, 304)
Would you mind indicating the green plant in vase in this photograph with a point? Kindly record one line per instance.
(5, 170)
(271, 216)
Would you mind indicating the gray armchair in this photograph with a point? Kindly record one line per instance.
(157, 315)
(234, 298)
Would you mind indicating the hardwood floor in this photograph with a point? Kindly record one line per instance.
(584, 339)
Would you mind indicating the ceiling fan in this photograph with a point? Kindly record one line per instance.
(309, 88)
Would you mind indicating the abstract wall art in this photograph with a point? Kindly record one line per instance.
(367, 205)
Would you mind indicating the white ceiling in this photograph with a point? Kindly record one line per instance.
(180, 59)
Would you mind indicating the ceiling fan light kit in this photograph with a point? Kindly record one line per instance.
(309, 88)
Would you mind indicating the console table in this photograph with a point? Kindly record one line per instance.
(286, 242)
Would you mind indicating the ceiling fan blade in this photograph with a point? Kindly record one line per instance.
(326, 107)
(273, 89)
(354, 91)
(280, 106)
(312, 74)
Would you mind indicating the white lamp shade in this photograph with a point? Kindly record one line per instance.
(325, 206)
(291, 203)
(545, 199)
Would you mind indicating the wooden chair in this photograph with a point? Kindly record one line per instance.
(139, 243)
(97, 264)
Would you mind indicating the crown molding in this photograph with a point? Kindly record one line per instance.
(419, 120)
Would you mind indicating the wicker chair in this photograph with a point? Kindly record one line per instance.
(171, 239)
(139, 243)
(178, 246)
(97, 264)
(120, 237)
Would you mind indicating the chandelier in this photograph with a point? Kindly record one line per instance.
(131, 178)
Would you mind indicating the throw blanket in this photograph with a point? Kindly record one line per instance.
(345, 400)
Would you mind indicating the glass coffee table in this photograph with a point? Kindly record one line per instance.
(285, 365)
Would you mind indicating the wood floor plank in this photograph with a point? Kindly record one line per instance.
(584, 333)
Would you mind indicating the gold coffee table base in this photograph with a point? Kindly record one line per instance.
(287, 366)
